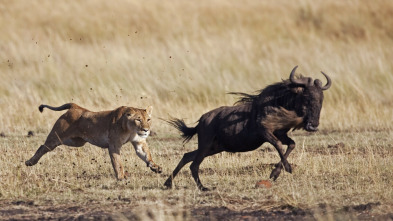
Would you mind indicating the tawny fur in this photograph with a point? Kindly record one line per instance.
(105, 129)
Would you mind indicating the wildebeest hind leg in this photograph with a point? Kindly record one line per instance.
(188, 157)
(201, 155)
(195, 171)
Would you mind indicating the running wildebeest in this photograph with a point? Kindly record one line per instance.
(255, 119)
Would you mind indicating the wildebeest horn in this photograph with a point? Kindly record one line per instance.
(301, 81)
(329, 82)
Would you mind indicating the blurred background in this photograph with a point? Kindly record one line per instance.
(183, 57)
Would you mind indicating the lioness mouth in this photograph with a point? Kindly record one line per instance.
(143, 134)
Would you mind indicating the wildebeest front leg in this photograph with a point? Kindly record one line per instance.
(283, 137)
(206, 147)
(278, 145)
(143, 152)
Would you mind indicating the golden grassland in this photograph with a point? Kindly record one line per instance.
(183, 57)
(186, 56)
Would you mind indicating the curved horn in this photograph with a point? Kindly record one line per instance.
(329, 82)
(301, 81)
(292, 75)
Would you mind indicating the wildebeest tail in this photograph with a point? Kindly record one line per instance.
(62, 107)
(188, 132)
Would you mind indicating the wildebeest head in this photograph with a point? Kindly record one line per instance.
(303, 95)
(311, 95)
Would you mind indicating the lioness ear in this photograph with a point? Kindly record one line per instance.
(149, 110)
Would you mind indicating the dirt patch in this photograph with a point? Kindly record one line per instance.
(361, 207)
(28, 210)
(223, 213)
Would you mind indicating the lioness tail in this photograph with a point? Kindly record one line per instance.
(62, 107)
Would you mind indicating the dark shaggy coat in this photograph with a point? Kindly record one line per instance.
(255, 119)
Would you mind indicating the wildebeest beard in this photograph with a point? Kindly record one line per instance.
(254, 119)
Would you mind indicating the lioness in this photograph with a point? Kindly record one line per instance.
(106, 129)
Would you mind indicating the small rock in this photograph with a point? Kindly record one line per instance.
(264, 183)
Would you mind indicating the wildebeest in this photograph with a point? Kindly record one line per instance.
(255, 119)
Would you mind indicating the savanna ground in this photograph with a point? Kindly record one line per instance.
(183, 57)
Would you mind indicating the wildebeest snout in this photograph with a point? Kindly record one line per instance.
(311, 128)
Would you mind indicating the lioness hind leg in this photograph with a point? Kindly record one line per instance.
(75, 142)
(43, 149)
(52, 141)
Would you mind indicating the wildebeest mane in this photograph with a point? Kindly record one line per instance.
(278, 95)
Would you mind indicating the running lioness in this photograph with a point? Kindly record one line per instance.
(106, 129)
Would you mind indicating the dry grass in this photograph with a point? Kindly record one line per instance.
(183, 57)
(334, 174)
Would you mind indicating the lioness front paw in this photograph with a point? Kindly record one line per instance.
(156, 168)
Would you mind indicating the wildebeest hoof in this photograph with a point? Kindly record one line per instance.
(288, 167)
(284, 165)
(278, 165)
(168, 184)
(275, 173)
(29, 163)
(204, 189)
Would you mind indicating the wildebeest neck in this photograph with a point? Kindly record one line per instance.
(276, 95)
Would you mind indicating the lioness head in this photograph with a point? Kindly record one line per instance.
(138, 120)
